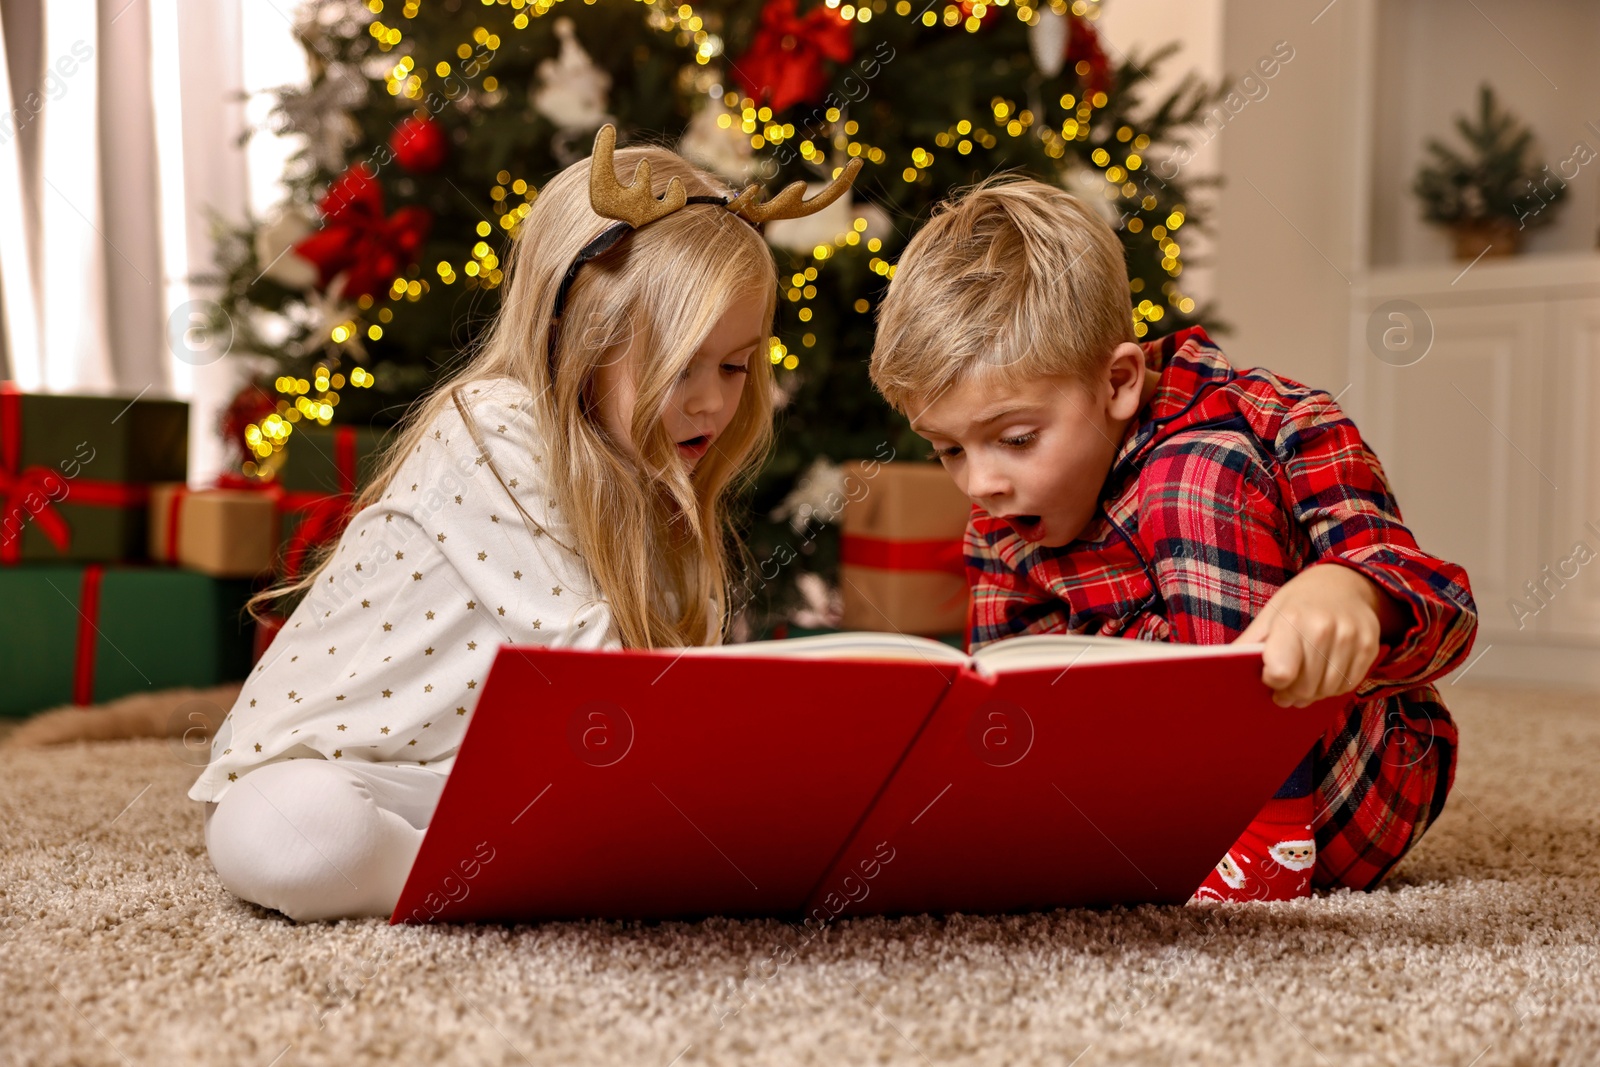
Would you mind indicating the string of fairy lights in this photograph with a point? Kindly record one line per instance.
(512, 197)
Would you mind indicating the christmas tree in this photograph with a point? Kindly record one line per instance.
(430, 126)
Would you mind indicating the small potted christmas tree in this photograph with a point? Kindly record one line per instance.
(1490, 195)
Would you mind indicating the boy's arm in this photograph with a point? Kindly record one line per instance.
(1339, 495)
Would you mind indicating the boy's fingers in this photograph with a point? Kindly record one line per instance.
(1283, 659)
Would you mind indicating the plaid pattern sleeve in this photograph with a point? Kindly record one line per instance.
(1342, 499)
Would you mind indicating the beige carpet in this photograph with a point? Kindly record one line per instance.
(119, 946)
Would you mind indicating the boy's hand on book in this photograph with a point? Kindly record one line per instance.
(1322, 632)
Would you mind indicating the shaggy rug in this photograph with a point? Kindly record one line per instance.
(119, 946)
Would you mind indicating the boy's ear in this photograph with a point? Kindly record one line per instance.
(1125, 381)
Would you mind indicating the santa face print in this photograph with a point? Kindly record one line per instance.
(1295, 855)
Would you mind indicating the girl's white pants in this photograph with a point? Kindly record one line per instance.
(316, 839)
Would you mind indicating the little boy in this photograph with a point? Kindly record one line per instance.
(1154, 492)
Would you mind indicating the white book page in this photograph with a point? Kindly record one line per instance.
(861, 645)
(1071, 650)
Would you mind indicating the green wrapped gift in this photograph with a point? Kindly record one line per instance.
(89, 633)
(331, 459)
(326, 465)
(75, 472)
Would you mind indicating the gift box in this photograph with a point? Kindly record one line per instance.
(900, 559)
(226, 533)
(75, 472)
(326, 466)
(89, 633)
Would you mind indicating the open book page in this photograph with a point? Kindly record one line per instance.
(1073, 650)
(861, 645)
(1017, 654)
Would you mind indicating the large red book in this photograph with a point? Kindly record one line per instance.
(851, 774)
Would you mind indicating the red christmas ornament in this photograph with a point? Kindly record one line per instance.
(420, 145)
(1083, 46)
(784, 64)
(356, 238)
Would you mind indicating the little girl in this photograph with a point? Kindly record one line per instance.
(568, 487)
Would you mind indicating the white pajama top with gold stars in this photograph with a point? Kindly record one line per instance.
(384, 660)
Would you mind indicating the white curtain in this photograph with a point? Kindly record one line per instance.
(119, 128)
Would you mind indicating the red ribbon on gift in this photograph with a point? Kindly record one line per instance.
(324, 515)
(88, 635)
(940, 555)
(18, 484)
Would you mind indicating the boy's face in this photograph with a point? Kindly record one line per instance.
(1036, 454)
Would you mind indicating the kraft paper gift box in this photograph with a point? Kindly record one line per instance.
(87, 633)
(75, 472)
(900, 560)
(226, 533)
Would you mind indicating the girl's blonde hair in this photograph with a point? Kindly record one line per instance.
(1013, 277)
(655, 536)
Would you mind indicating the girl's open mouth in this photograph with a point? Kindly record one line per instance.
(694, 447)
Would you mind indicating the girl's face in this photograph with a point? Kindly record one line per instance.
(705, 397)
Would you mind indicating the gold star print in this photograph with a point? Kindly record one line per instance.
(383, 729)
(416, 576)
(388, 626)
(458, 498)
(226, 751)
(399, 555)
(479, 461)
(483, 555)
(517, 575)
(512, 483)
(232, 777)
(461, 711)
(389, 518)
(330, 649)
(472, 684)
(552, 503)
(252, 702)
(441, 538)
(471, 645)
(430, 614)
(472, 605)
(341, 726)
(501, 428)
(501, 611)
(422, 763)
(435, 437)
(427, 652)
(291, 694)
(386, 659)
(494, 518)
(366, 603)
(427, 688)
(555, 590)
(358, 566)
(426, 725)
(413, 487)
(580, 623)
(258, 746)
(291, 660)
(387, 694)
(338, 753)
(537, 623)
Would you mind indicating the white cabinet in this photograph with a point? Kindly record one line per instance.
(1492, 446)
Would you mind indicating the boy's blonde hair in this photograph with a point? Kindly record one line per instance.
(1013, 277)
(654, 536)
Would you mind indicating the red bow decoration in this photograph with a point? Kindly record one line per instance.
(1083, 46)
(784, 64)
(356, 238)
(944, 556)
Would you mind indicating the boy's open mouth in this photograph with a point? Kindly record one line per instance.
(1027, 526)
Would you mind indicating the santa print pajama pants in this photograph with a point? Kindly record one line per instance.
(316, 839)
(1273, 858)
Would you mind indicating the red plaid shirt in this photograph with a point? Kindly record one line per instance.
(1226, 486)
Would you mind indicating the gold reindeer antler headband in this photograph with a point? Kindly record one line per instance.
(633, 206)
